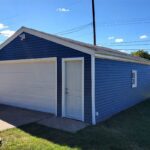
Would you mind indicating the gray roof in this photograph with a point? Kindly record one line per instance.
(107, 53)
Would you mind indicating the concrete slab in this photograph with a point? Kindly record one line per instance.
(11, 117)
(64, 124)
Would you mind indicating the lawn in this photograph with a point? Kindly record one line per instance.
(130, 130)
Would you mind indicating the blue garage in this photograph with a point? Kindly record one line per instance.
(68, 78)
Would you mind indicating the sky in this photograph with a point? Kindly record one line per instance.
(120, 24)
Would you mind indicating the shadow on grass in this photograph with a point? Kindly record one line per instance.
(128, 130)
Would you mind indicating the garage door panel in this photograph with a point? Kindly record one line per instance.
(37, 106)
(26, 91)
(29, 85)
(28, 102)
(26, 94)
(17, 79)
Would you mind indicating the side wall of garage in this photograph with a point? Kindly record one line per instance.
(34, 47)
(113, 87)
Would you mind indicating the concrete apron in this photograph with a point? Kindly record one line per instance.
(11, 117)
(64, 124)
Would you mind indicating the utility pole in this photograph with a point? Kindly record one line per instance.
(94, 23)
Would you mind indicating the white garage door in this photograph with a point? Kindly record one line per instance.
(29, 84)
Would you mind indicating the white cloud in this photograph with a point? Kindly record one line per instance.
(143, 37)
(111, 38)
(62, 9)
(7, 33)
(100, 45)
(2, 26)
(119, 40)
(124, 51)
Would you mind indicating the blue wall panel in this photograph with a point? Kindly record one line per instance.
(35, 47)
(114, 91)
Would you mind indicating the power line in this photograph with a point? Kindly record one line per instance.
(73, 30)
(121, 24)
(134, 49)
(131, 21)
(132, 42)
(79, 28)
(130, 45)
(126, 22)
(8, 18)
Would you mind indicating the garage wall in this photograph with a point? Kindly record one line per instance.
(114, 91)
(35, 47)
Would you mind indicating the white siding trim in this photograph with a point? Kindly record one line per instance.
(63, 83)
(63, 87)
(93, 88)
(56, 103)
(121, 59)
(28, 60)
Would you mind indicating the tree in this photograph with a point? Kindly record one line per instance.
(141, 53)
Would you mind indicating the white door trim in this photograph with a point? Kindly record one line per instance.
(56, 86)
(29, 61)
(93, 89)
(63, 83)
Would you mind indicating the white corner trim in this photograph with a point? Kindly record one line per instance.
(93, 89)
(63, 83)
(83, 89)
(56, 98)
(121, 59)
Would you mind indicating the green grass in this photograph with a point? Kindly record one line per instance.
(130, 130)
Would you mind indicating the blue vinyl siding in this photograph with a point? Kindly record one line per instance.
(35, 47)
(113, 87)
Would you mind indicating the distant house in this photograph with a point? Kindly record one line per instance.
(70, 79)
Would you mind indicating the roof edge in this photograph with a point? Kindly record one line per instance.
(97, 51)
(56, 39)
(19, 31)
(124, 59)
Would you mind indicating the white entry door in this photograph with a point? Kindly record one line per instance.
(29, 84)
(73, 85)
